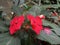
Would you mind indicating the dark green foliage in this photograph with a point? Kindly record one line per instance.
(1, 14)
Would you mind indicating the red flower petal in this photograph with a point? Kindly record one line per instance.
(12, 29)
(29, 17)
(36, 23)
(37, 29)
(14, 20)
(38, 20)
(15, 24)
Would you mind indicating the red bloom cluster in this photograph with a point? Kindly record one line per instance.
(16, 23)
(36, 23)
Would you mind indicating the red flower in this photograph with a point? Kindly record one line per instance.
(15, 24)
(38, 20)
(29, 17)
(36, 23)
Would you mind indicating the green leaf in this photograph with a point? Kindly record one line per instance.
(17, 10)
(2, 26)
(6, 39)
(51, 38)
(46, 13)
(48, 23)
(35, 10)
(55, 27)
(25, 6)
(54, 36)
